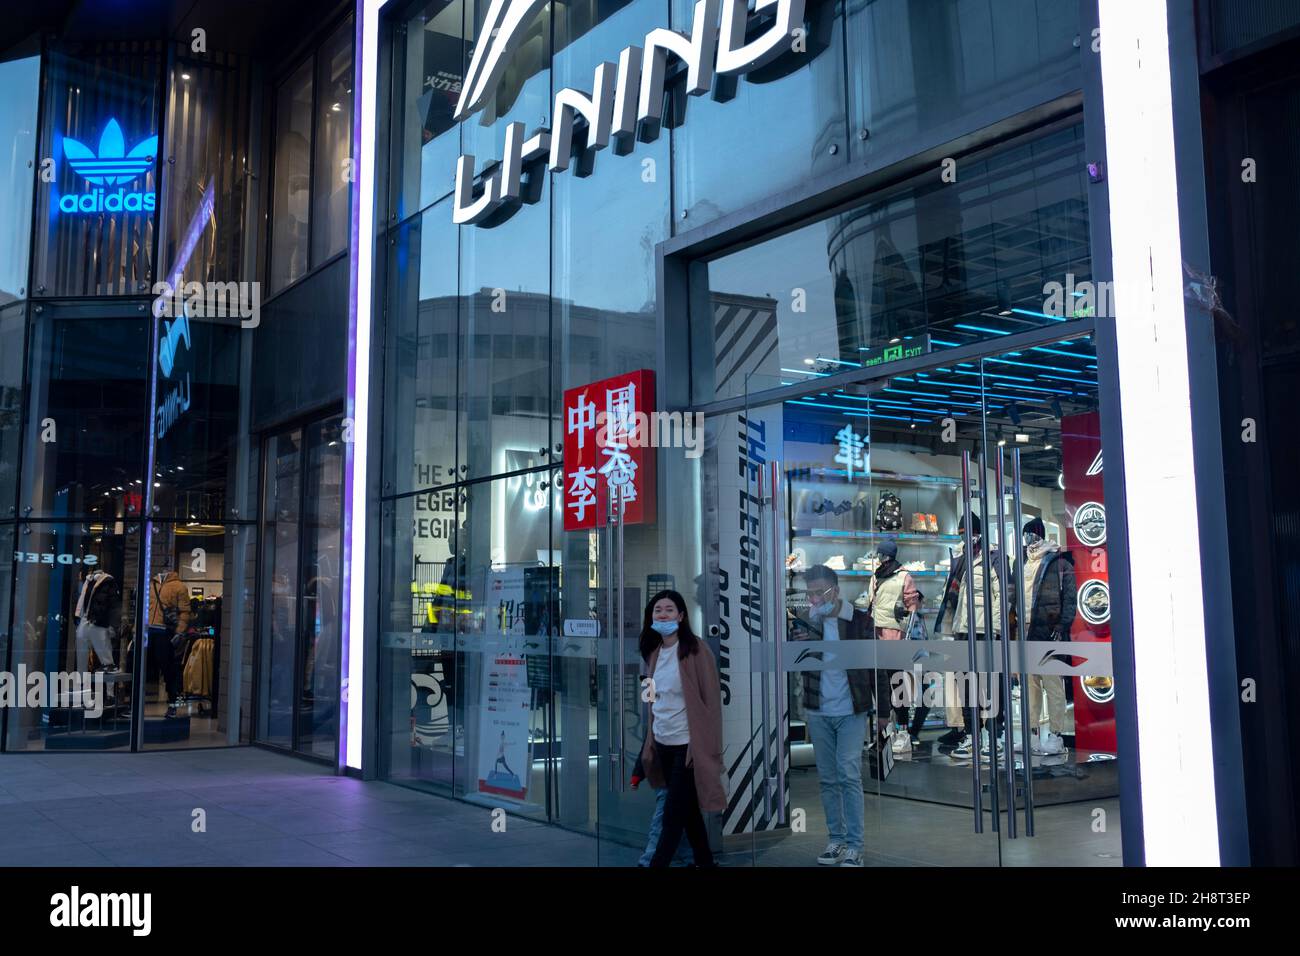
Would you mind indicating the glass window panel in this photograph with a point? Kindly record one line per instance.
(75, 606)
(7, 532)
(205, 573)
(12, 347)
(431, 61)
(505, 342)
(201, 451)
(424, 433)
(20, 79)
(85, 431)
(606, 226)
(95, 229)
(774, 129)
(331, 188)
(290, 199)
(321, 574)
(280, 600)
(915, 66)
(960, 262)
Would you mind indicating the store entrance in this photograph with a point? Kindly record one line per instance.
(910, 705)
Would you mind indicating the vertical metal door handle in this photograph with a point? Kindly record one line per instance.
(988, 638)
(1024, 668)
(610, 610)
(619, 643)
(1005, 627)
(778, 631)
(977, 787)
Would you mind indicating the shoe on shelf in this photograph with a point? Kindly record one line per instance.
(1048, 744)
(933, 522)
(835, 562)
(852, 858)
(964, 749)
(833, 855)
(902, 743)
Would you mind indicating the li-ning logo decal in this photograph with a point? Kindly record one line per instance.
(114, 165)
(1090, 524)
(1095, 467)
(626, 100)
(1094, 601)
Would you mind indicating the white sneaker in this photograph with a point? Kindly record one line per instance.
(1049, 744)
(963, 750)
(852, 858)
(833, 855)
(902, 743)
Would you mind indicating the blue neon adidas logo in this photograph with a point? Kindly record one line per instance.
(113, 164)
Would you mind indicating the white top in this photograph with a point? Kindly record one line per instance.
(836, 698)
(669, 707)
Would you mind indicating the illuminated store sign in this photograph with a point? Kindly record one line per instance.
(624, 98)
(605, 450)
(113, 166)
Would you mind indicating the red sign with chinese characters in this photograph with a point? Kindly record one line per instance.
(608, 432)
(1081, 463)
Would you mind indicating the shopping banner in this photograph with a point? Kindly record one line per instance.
(1094, 696)
(504, 753)
(608, 445)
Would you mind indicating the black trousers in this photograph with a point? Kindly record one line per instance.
(681, 809)
(163, 656)
(993, 724)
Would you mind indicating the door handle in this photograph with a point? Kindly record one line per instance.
(619, 646)
(977, 787)
(776, 483)
(1004, 581)
(1024, 669)
(611, 624)
(987, 588)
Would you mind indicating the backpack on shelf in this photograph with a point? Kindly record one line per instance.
(889, 512)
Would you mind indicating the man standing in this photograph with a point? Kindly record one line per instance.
(836, 705)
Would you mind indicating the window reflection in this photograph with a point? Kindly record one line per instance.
(291, 203)
(331, 186)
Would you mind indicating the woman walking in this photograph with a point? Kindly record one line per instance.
(683, 749)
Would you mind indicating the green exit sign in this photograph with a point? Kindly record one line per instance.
(909, 348)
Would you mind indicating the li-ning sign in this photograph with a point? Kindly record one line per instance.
(114, 165)
(624, 98)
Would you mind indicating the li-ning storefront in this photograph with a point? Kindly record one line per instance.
(868, 251)
(854, 264)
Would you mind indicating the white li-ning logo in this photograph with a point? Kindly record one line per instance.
(626, 99)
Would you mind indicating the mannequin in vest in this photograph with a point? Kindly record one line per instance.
(955, 607)
(1047, 575)
(892, 599)
(96, 603)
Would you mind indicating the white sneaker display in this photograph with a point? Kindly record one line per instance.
(835, 562)
(902, 743)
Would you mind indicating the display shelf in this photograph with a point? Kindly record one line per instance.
(873, 476)
(912, 536)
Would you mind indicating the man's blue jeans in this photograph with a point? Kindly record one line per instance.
(837, 744)
(657, 828)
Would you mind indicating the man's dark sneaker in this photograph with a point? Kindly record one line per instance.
(171, 711)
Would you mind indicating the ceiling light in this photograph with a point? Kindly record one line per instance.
(185, 76)
(1022, 438)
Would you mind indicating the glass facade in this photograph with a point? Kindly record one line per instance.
(506, 672)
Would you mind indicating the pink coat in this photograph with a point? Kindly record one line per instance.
(703, 696)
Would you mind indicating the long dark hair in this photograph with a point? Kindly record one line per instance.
(687, 642)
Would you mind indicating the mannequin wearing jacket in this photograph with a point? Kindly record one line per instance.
(94, 612)
(893, 598)
(168, 597)
(955, 607)
(1047, 575)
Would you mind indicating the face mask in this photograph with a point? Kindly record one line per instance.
(1031, 539)
(664, 627)
(819, 610)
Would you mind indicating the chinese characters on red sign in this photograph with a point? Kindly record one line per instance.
(606, 447)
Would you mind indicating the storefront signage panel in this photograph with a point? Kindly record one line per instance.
(607, 447)
(626, 99)
(109, 171)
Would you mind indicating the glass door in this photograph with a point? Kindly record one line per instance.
(866, 501)
(301, 576)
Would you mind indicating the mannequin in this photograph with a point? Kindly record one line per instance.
(893, 597)
(955, 601)
(169, 618)
(1047, 574)
(94, 614)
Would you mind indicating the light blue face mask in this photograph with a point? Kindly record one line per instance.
(665, 627)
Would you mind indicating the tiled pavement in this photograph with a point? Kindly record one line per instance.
(262, 809)
(268, 809)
